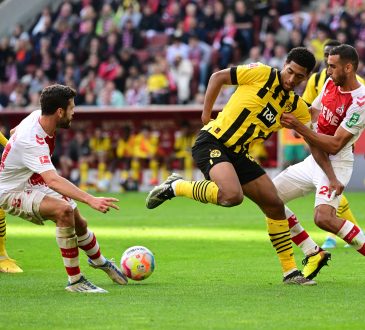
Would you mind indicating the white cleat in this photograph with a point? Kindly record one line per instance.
(84, 286)
(113, 271)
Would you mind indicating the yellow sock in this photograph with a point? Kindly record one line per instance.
(135, 167)
(154, 169)
(203, 191)
(188, 167)
(344, 211)
(2, 234)
(84, 170)
(3, 139)
(280, 239)
(101, 170)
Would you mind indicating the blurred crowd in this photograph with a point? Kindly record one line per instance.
(135, 53)
(129, 52)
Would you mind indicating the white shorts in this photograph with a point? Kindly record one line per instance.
(302, 178)
(25, 204)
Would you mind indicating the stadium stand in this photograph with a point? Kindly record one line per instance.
(131, 54)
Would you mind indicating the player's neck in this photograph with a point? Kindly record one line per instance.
(350, 85)
(47, 124)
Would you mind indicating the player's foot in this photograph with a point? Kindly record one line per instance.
(314, 263)
(297, 278)
(162, 193)
(8, 265)
(83, 285)
(329, 243)
(347, 246)
(113, 271)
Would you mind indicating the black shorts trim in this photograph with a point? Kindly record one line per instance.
(209, 151)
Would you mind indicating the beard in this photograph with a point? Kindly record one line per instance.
(64, 123)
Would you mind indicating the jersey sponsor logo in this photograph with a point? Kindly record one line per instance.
(215, 153)
(39, 139)
(44, 160)
(268, 115)
(329, 116)
(353, 120)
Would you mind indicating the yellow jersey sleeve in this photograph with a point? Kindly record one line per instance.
(302, 112)
(248, 74)
(3, 139)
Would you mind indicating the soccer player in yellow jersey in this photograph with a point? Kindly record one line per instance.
(312, 90)
(253, 112)
(7, 265)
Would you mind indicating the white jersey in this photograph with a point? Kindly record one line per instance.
(345, 109)
(26, 155)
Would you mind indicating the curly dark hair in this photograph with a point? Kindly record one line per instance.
(303, 57)
(54, 97)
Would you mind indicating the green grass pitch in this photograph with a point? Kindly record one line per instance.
(215, 269)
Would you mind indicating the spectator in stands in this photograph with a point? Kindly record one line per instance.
(110, 96)
(130, 36)
(150, 22)
(244, 24)
(66, 14)
(91, 82)
(78, 152)
(136, 92)
(182, 73)
(224, 40)
(170, 16)
(200, 54)
(254, 56)
(4, 99)
(106, 22)
(278, 60)
(133, 14)
(18, 97)
(177, 47)
(157, 84)
(110, 69)
(39, 26)
(184, 141)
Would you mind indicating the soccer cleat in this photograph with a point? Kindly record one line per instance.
(8, 265)
(313, 263)
(113, 271)
(84, 286)
(297, 278)
(162, 193)
(329, 243)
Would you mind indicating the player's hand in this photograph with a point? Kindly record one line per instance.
(289, 121)
(335, 188)
(205, 118)
(103, 204)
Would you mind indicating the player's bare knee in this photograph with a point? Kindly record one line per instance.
(229, 199)
(321, 219)
(65, 214)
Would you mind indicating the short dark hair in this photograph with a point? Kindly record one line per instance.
(54, 97)
(347, 54)
(332, 43)
(303, 57)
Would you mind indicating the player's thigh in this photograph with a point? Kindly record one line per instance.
(295, 181)
(323, 196)
(54, 209)
(23, 204)
(225, 176)
(263, 192)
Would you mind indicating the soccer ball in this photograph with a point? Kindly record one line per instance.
(137, 263)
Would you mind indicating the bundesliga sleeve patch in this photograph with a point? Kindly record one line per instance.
(353, 120)
(44, 160)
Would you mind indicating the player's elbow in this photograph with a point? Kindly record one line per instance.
(334, 148)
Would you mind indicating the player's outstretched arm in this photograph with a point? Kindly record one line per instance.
(327, 143)
(216, 81)
(66, 188)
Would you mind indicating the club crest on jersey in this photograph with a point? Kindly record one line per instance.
(215, 153)
(353, 120)
(268, 115)
(288, 107)
(44, 160)
(340, 110)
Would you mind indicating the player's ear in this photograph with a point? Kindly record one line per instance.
(60, 112)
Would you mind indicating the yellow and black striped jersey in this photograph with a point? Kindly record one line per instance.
(315, 84)
(254, 110)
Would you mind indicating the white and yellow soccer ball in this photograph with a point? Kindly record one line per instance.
(137, 263)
